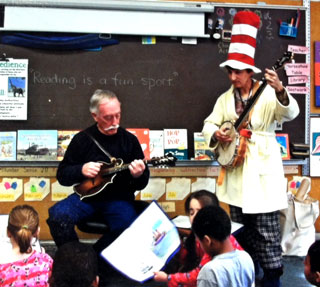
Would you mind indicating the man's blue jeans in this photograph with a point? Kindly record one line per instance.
(65, 214)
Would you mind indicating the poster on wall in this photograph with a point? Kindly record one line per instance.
(317, 72)
(315, 146)
(13, 89)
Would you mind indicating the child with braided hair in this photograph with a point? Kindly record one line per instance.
(22, 265)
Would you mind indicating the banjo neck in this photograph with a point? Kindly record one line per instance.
(287, 56)
(244, 115)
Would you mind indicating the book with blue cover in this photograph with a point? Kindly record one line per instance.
(176, 143)
(39, 145)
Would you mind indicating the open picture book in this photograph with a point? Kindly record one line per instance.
(183, 222)
(145, 246)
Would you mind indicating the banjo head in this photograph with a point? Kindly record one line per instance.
(226, 152)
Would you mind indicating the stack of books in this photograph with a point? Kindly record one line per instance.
(299, 150)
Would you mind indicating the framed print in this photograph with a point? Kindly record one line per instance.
(283, 140)
(315, 146)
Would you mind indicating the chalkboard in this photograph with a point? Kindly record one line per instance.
(166, 85)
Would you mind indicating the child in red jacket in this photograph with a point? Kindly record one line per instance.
(192, 256)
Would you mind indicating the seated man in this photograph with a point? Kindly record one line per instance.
(228, 267)
(75, 265)
(312, 264)
(97, 188)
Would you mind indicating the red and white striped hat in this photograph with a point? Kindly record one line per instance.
(243, 42)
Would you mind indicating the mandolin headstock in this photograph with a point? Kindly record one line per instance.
(164, 161)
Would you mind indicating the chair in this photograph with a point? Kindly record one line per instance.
(95, 223)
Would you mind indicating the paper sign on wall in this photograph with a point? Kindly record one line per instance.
(13, 89)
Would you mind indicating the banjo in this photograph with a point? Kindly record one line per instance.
(232, 154)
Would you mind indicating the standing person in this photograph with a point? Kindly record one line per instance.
(69, 270)
(192, 256)
(228, 267)
(255, 190)
(102, 141)
(22, 266)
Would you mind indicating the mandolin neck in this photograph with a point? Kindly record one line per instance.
(115, 169)
(112, 170)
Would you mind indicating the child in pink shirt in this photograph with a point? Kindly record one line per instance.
(22, 266)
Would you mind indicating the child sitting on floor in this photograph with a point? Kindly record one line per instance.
(192, 256)
(228, 267)
(312, 264)
(22, 265)
(75, 265)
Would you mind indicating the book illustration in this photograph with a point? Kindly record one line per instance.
(201, 149)
(8, 146)
(64, 139)
(156, 143)
(10, 189)
(16, 86)
(36, 189)
(155, 239)
(144, 139)
(316, 144)
(38, 145)
(283, 141)
(176, 143)
(161, 238)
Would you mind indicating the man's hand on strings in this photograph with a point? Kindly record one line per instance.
(91, 169)
(137, 168)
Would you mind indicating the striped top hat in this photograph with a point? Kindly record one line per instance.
(243, 42)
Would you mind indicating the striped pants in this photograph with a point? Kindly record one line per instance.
(260, 236)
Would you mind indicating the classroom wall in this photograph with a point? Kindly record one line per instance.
(315, 36)
(43, 206)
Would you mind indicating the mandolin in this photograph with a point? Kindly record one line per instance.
(92, 186)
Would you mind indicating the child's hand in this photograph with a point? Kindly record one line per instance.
(160, 276)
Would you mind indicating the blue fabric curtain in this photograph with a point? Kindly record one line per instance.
(57, 41)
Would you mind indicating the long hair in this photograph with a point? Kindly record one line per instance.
(23, 225)
(205, 198)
